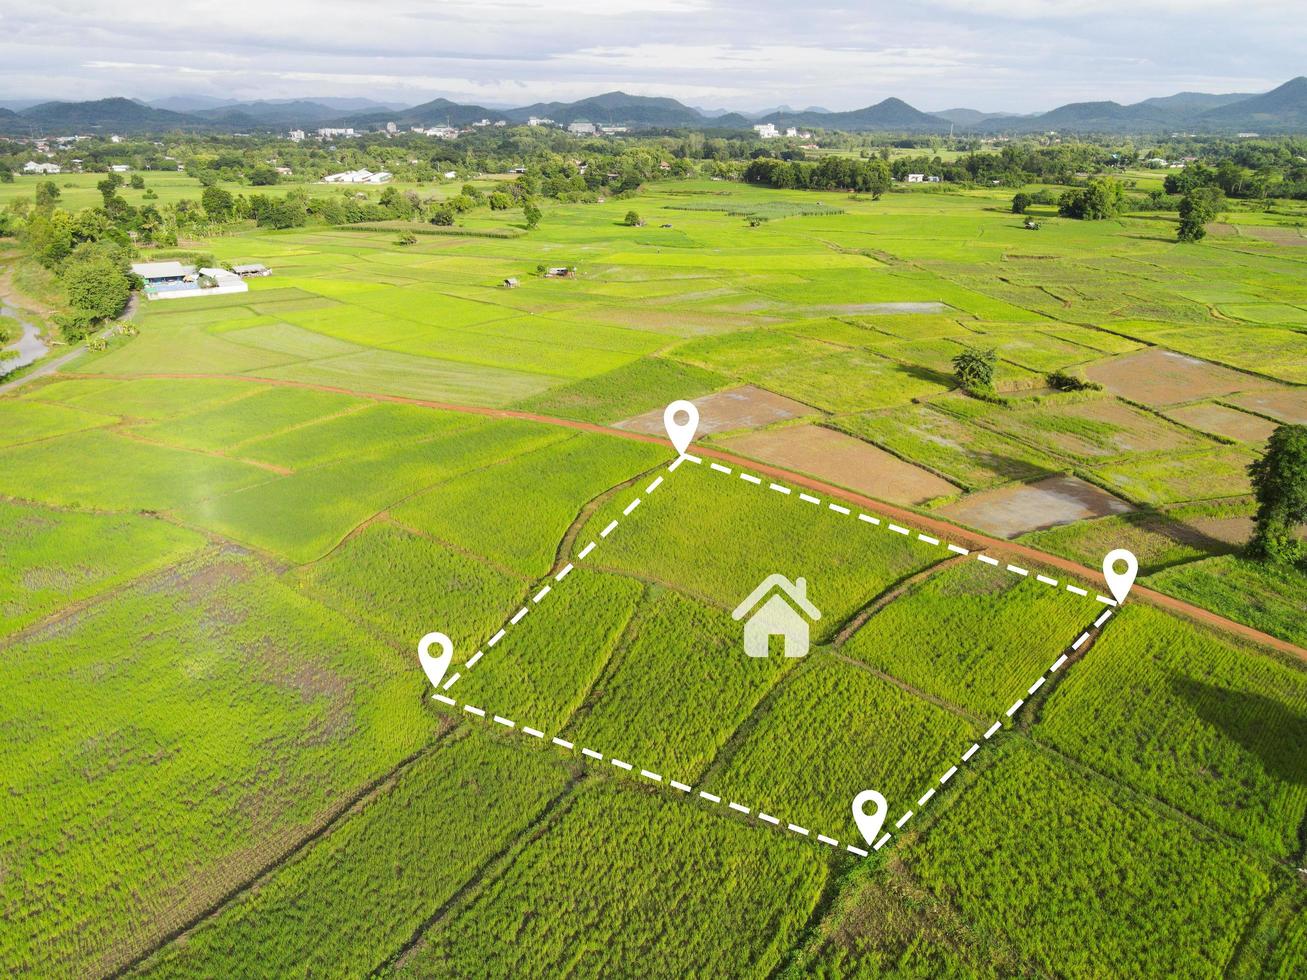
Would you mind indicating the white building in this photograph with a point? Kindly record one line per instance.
(329, 133)
(767, 131)
(32, 167)
(119, 168)
(358, 177)
(613, 130)
(501, 122)
(539, 121)
(391, 128)
(581, 128)
(916, 178)
(297, 135)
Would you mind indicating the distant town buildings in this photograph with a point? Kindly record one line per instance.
(540, 121)
(328, 133)
(392, 128)
(358, 177)
(32, 167)
(613, 130)
(297, 135)
(441, 132)
(767, 131)
(581, 128)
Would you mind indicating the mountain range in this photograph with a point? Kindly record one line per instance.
(1283, 109)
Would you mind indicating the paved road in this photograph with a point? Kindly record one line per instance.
(973, 540)
(49, 366)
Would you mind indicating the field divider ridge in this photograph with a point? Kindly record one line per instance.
(547, 589)
(863, 517)
(1008, 718)
(678, 789)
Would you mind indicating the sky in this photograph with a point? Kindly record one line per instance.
(1008, 55)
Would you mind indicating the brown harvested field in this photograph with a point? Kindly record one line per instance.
(1285, 404)
(1280, 236)
(1161, 377)
(1012, 511)
(1223, 421)
(842, 460)
(745, 407)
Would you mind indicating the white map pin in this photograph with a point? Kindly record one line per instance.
(435, 666)
(681, 434)
(1120, 582)
(869, 824)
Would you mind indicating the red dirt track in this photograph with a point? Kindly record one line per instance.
(943, 529)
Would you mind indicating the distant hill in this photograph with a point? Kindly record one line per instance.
(280, 114)
(108, 115)
(437, 112)
(189, 103)
(1279, 109)
(1195, 101)
(890, 114)
(614, 109)
(1283, 109)
(970, 117)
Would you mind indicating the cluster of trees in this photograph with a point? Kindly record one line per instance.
(89, 252)
(830, 174)
(1100, 198)
(1280, 484)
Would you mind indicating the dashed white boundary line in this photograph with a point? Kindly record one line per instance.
(648, 774)
(994, 728)
(710, 797)
(841, 509)
(563, 572)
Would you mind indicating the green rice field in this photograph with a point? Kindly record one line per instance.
(223, 538)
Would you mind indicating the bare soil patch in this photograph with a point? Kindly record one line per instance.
(1012, 511)
(1162, 377)
(746, 407)
(842, 460)
(1285, 404)
(1222, 421)
(1280, 236)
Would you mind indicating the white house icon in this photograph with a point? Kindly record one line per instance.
(776, 616)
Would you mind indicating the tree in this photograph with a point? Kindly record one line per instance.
(1099, 199)
(97, 288)
(6, 175)
(1280, 485)
(442, 214)
(974, 368)
(471, 192)
(263, 175)
(218, 204)
(632, 219)
(136, 182)
(47, 195)
(499, 201)
(1198, 207)
(532, 213)
(1021, 201)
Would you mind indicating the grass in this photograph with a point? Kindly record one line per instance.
(167, 741)
(1209, 727)
(1265, 597)
(972, 635)
(515, 513)
(370, 888)
(680, 869)
(1090, 861)
(215, 717)
(57, 557)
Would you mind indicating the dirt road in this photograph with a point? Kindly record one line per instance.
(973, 540)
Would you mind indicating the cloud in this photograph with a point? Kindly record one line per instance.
(1019, 55)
